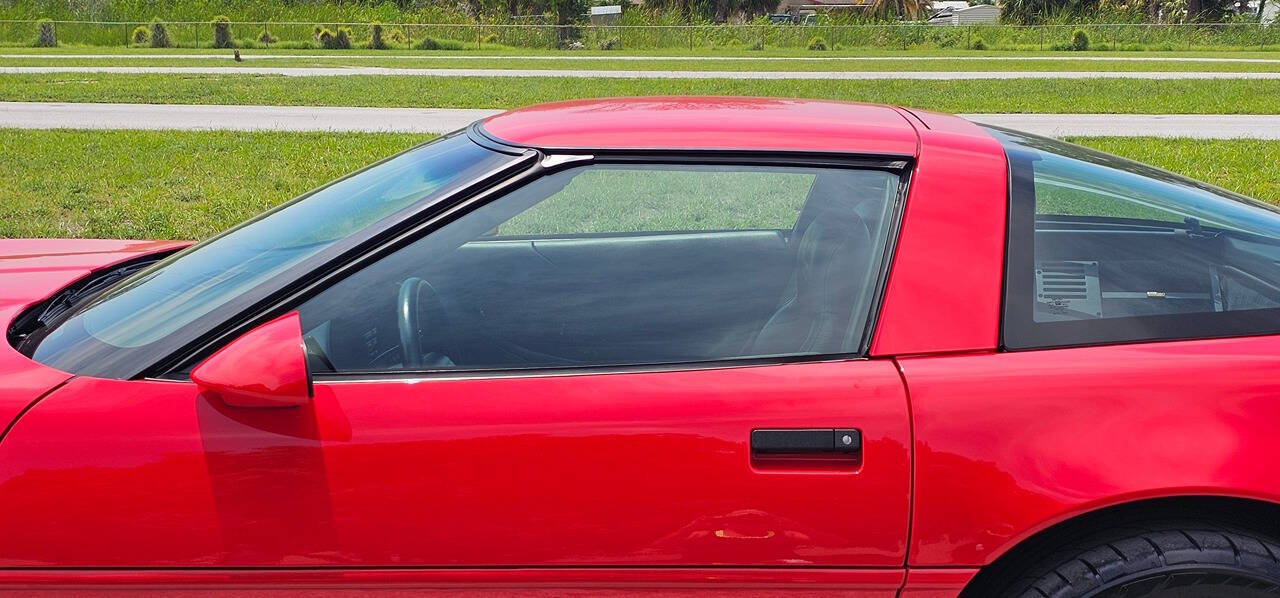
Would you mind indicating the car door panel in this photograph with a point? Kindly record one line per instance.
(519, 471)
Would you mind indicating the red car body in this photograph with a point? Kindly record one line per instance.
(622, 481)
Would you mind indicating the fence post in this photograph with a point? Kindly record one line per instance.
(691, 38)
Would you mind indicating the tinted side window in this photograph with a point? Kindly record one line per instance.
(1102, 249)
(622, 264)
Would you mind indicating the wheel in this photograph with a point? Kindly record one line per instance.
(1158, 561)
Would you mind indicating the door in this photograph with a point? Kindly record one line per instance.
(616, 365)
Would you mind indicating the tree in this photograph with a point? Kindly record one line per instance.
(904, 9)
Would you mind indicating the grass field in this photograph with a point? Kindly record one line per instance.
(491, 50)
(654, 63)
(1121, 96)
(189, 185)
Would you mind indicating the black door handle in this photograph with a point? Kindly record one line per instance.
(804, 441)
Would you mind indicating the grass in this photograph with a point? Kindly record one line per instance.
(167, 185)
(189, 185)
(1247, 166)
(429, 60)
(1121, 96)
(647, 200)
(495, 50)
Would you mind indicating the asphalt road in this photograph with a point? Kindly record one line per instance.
(39, 115)
(629, 74)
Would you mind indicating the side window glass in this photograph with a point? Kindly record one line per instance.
(622, 264)
(647, 199)
(1104, 250)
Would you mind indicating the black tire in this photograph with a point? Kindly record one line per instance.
(1158, 561)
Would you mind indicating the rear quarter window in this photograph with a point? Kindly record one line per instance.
(1104, 250)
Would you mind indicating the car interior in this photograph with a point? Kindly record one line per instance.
(1111, 268)
(469, 296)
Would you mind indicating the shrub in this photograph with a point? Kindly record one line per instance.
(492, 38)
(758, 45)
(141, 35)
(159, 35)
(837, 47)
(610, 44)
(1079, 40)
(342, 39)
(265, 38)
(222, 33)
(46, 37)
(375, 37)
(315, 32)
(324, 37)
(430, 43)
(978, 44)
(817, 43)
(397, 37)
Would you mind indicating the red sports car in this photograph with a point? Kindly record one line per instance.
(665, 343)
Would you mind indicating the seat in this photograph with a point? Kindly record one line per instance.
(833, 242)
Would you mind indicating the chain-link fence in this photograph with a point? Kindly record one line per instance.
(693, 37)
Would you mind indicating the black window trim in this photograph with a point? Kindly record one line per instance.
(1020, 332)
(451, 208)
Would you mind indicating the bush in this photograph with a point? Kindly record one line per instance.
(817, 43)
(342, 39)
(758, 45)
(492, 38)
(265, 38)
(141, 35)
(1079, 40)
(397, 37)
(316, 31)
(978, 44)
(375, 37)
(222, 33)
(610, 44)
(334, 40)
(159, 35)
(46, 37)
(430, 43)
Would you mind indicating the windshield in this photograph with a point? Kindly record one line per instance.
(158, 309)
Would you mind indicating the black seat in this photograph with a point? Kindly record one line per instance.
(832, 239)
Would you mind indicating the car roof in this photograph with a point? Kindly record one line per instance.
(708, 123)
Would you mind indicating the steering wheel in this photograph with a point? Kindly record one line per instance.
(418, 297)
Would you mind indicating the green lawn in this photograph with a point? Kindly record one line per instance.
(498, 51)
(1123, 96)
(1057, 63)
(189, 185)
(166, 185)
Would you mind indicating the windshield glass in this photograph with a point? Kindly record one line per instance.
(164, 301)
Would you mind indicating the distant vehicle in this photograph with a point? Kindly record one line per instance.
(664, 344)
(967, 15)
(798, 18)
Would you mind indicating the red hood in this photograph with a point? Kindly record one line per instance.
(30, 271)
